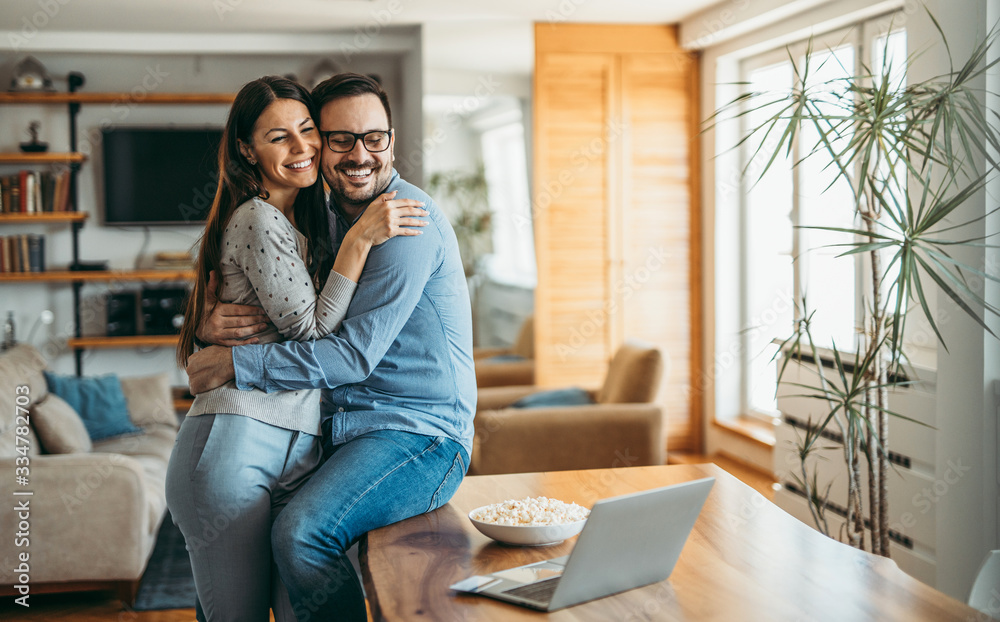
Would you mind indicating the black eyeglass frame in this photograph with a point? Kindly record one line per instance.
(357, 137)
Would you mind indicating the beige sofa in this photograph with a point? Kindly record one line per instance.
(623, 428)
(94, 511)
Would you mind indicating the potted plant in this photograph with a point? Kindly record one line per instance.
(908, 153)
(465, 197)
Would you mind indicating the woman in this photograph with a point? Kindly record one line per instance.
(241, 455)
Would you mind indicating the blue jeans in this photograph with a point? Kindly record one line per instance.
(228, 477)
(371, 481)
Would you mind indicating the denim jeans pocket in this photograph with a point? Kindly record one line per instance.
(199, 443)
(450, 483)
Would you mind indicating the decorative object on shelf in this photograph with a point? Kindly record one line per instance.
(465, 198)
(88, 266)
(34, 146)
(9, 338)
(906, 152)
(46, 318)
(173, 260)
(75, 80)
(324, 69)
(30, 75)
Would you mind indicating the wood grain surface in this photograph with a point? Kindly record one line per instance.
(745, 560)
(617, 230)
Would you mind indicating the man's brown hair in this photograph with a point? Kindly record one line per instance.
(349, 85)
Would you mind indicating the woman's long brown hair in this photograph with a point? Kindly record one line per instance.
(238, 182)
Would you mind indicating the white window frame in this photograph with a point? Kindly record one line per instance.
(860, 36)
(513, 259)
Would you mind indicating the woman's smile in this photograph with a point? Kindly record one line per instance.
(302, 165)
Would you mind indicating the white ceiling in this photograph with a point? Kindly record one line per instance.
(491, 35)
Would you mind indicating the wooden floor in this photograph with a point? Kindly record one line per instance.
(104, 607)
(88, 607)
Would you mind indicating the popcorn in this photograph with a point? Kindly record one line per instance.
(530, 512)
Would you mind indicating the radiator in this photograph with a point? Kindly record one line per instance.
(914, 492)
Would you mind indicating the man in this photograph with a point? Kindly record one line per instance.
(401, 391)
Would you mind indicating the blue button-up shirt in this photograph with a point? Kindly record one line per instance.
(403, 357)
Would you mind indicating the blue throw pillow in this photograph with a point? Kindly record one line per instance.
(98, 400)
(560, 397)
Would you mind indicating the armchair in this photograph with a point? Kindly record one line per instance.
(622, 428)
(498, 367)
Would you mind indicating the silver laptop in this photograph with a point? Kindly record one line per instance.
(627, 542)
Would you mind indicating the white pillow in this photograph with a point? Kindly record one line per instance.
(149, 400)
(59, 427)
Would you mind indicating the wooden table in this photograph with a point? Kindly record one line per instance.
(745, 560)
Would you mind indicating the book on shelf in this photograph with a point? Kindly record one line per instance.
(34, 192)
(24, 190)
(24, 252)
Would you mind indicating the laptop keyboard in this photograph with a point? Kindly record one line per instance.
(540, 591)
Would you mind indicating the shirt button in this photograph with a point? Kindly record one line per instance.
(341, 409)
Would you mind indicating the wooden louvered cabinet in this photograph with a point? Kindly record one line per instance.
(616, 213)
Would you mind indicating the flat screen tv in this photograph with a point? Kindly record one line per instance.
(159, 176)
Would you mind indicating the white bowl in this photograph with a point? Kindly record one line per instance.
(527, 535)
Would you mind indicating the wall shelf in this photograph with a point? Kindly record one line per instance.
(44, 217)
(111, 98)
(130, 341)
(42, 158)
(74, 100)
(98, 276)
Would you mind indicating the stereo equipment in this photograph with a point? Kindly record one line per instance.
(122, 315)
(163, 310)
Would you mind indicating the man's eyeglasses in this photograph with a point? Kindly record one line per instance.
(343, 142)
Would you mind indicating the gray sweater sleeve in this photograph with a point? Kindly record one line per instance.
(261, 242)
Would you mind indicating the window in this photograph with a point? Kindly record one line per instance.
(782, 262)
(504, 157)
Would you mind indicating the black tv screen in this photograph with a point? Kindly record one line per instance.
(159, 176)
